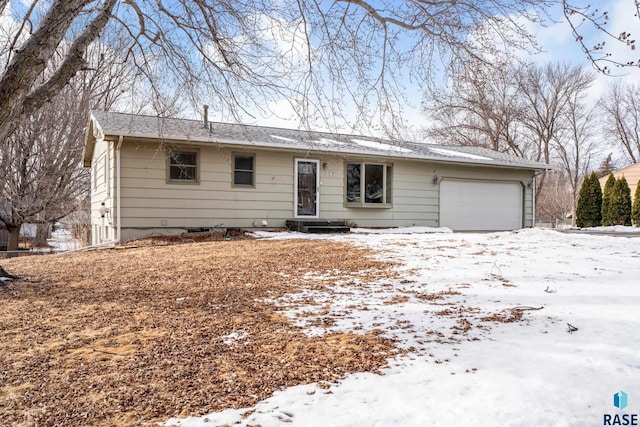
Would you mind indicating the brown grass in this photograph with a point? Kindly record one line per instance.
(134, 336)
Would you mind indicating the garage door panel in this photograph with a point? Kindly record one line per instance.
(480, 205)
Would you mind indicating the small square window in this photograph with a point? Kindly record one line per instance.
(183, 166)
(243, 170)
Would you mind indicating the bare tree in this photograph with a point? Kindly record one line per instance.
(583, 17)
(40, 160)
(548, 93)
(556, 201)
(621, 124)
(533, 112)
(248, 53)
(482, 108)
(574, 145)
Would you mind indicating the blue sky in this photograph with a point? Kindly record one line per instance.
(557, 44)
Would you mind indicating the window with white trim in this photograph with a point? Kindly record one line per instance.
(368, 184)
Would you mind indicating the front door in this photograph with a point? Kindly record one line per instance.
(307, 189)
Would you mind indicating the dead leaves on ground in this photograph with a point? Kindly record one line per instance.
(135, 336)
(130, 337)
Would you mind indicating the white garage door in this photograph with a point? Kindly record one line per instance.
(480, 205)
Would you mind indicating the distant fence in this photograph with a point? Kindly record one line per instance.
(29, 252)
(56, 245)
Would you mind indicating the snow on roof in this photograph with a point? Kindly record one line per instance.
(381, 145)
(109, 124)
(457, 153)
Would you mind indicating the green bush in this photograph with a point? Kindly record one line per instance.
(620, 203)
(635, 210)
(606, 199)
(589, 209)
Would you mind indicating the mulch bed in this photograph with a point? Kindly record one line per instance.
(134, 336)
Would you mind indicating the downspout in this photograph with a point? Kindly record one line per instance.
(533, 201)
(533, 197)
(118, 210)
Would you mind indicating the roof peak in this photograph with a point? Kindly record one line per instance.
(275, 128)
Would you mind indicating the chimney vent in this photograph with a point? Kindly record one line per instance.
(205, 116)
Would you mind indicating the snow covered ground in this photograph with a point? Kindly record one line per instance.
(61, 240)
(467, 363)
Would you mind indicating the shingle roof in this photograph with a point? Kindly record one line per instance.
(103, 124)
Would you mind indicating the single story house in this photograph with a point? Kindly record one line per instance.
(630, 173)
(152, 175)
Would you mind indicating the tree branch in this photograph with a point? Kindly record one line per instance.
(31, 60)
(73, 62)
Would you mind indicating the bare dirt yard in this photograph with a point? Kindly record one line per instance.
(133, 336)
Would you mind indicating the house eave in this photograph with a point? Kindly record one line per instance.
(344, 152)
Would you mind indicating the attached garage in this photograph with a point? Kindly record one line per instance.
(471, 205)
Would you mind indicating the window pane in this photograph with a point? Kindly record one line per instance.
(244, 163)
(182, 158)
(353, 183)
(180, 172)
(183, 166)
(243, 170)
(243, 178)
(389, 184)
(373, 183)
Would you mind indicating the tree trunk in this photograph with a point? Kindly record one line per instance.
(42, 234)
(14, 237)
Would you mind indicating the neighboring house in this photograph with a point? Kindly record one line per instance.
(631, 174)
(153, 175)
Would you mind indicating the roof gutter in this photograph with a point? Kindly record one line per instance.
(344, 152)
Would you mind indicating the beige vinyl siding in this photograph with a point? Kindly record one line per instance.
(630, 173)
(151, 205)
(149, 201)
(413, 201)
(102, 193)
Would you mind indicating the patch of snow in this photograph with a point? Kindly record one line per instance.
(61, 240)
(283, 138)
(615, 229)
(458, 154)
(231, 339)
(381, 146)
(527, 373)
(402, 230)
(327, 141)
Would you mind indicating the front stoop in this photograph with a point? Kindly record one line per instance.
(317, 226)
